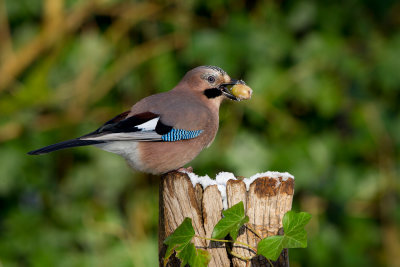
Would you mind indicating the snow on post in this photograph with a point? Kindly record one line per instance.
(266, 197)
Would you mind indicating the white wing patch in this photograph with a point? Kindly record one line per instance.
(145, 132)
(149, 125)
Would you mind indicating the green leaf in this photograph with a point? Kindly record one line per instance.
(180, 238)
(202, 258)
(294, 236)
(271, 247)
(293, 226)
(194, 257)
(186, 254)
(233, 219)
(180, 241)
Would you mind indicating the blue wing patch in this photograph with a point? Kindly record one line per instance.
(179, 134)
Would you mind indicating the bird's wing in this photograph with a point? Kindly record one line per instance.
(145, 126)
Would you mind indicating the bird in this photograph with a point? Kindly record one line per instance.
(165, 131)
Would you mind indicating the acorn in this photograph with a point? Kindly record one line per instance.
(241, 91)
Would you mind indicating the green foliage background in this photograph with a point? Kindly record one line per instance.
(326, 80)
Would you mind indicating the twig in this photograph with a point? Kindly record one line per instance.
(128, 16)
(247, 259)
(253, 230)
(15, 64)
(137, 55)
(229, 241)
(5, 37)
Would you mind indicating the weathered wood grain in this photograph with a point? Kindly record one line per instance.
(178, 201)
(236, 192)
(266, 205)
(267, 200)
(212, 207)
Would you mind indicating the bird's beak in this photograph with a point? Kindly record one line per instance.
(226, 89)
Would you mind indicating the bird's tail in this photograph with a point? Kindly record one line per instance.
(62, 145)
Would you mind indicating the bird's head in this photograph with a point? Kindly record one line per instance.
(211, 82)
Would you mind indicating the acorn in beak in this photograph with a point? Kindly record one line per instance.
(236, 90)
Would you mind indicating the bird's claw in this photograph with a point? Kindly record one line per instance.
(188, 169)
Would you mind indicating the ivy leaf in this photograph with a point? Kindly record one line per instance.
(194, 257)
(180, 241)
(202, 258)
(294, 236)
(293, 226)
(271, 247)
(233, 219)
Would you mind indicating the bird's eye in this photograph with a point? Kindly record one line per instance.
(211, 79)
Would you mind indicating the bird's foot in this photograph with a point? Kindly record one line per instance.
(188, 169)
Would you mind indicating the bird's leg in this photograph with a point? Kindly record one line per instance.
(188, 169)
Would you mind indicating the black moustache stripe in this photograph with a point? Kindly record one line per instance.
(212, 92)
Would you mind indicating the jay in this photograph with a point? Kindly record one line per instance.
(165, 131)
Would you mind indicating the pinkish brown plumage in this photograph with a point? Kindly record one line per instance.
(165, 131)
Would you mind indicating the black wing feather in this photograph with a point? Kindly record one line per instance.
(124, 125)
(65, 144)
(118, 124)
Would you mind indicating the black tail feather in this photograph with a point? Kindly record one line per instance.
(65, 144)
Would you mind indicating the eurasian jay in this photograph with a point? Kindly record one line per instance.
(165, 131)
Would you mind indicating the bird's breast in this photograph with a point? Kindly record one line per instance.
(162, 157)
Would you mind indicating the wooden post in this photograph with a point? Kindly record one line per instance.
(269, 197)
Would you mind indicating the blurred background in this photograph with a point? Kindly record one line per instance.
(326, 80)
